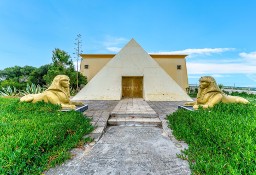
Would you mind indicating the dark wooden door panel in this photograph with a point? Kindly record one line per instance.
(132, 87)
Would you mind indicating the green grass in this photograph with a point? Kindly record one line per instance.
(35, 137)
(250, 97)
(221, 140)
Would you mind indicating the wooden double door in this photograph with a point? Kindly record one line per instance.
(132, 87)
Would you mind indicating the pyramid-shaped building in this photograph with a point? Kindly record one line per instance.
(132, 73)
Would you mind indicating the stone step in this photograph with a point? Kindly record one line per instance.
(134, 121)
(134, 115)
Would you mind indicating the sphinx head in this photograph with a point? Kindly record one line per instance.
(60, 83)
(208, 82)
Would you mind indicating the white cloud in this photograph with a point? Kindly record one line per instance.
(114, 49)
(194, 76)
(245, 64)
(197, 76)
(113, 44)
(215, 68)
(203, 51)
(219, 60)
(219, 75)
(249, 57)
(252, 76)
(109, 40)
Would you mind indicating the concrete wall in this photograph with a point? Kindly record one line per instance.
(170, 66)
(95, 62)
(168, 62)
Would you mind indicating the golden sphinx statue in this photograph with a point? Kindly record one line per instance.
(57, 93)
(209, 94)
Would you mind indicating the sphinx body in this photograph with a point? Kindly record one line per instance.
(57, 93)
(210, 94)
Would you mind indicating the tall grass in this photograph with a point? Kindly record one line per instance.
(37, 136)
(221, 140)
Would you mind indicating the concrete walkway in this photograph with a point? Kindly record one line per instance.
(128, 150)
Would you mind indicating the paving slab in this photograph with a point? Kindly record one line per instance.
(133, 106)
(128, 151)
(134, 112)
(99, 111)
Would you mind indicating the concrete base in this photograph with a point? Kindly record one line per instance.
(78, 109)
(189, 108)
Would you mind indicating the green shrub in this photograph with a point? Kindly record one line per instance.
(32, 89)
(37, 136)
(221, 140)
(9, 91)
(193, 93)
(12, 83)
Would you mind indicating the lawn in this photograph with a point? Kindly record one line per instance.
(35, 137)
(221, 140)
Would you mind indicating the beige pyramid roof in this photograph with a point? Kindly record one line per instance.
(132, 60)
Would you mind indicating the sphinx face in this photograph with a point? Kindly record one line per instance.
(204, 84)
(64, 83)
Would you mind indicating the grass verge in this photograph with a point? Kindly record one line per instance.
(35, 137)
(221, 140)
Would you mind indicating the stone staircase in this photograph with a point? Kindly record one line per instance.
(134, 112)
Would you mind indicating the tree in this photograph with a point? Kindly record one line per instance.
(17, 73)
(37, 75)
(220, 86)
(16, 76)
(62, 64)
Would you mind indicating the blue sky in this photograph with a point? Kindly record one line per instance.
(219, 36)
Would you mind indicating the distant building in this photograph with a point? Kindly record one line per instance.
(133, 73)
